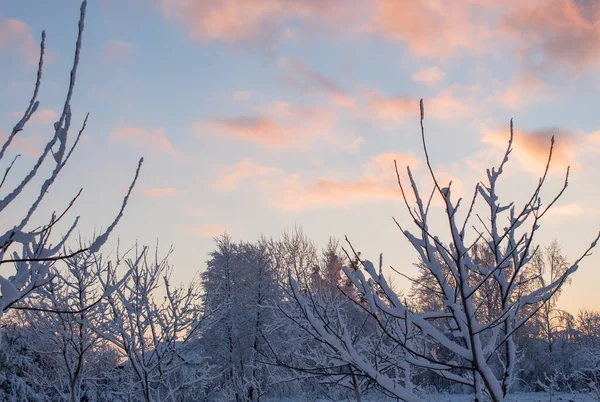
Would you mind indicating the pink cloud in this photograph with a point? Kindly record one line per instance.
(391, 108)
(523, 91)
(385, 162)
(557, 33)
(450, 104)
(259, 20)
(140, 137)
(116, 51)
(257, 128)
(430, 28)
(454, 103)
(206, 230)
(329, 191)
(277, 125)
(429, 76)
(17, 34)
(377, 182)
(160, 192)
(565, 33)
(531, 148)
(325, 192)
(232, 175)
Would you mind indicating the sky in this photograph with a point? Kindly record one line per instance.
(257, 115)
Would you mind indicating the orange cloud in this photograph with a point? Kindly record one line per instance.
(329, 191)
(531, 148)
(431, 28)
(552, 33)
(385, 162)
(377, 182)
(232, 175)
(235, 20)
(454, 103)
(278, 125)
(159, 192)
(562, 32)
(259, 129)
(429, 76)
(523, 91)
(207, 230)
(117, 50)
(324, 192)
(140, 137)
(17, 34)
(391, 108)
(450, 104)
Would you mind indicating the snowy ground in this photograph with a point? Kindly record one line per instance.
(517, 397)
(523, 397)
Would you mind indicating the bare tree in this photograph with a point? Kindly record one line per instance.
(31, 249)
(301, 352)
(470, 341)
(353, 349)
(153, 337)
(549, 264)
(588, 328)
(61, 317)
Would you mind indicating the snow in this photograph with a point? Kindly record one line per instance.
(516, 397)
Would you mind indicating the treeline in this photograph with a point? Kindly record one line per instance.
(240, 332)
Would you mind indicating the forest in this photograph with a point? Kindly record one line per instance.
(284, 318)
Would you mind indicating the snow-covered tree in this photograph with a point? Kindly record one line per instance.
(549, 264)
(17, 361)
(31, 249)
(153, 337)
(587, 325)
(327, 276)
(471, 339)
(240, 281)
(587, 370)
(300, 354)
(351, 348)
(294, 251)
(62, 317)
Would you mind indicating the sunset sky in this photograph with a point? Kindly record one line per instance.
(255, 115)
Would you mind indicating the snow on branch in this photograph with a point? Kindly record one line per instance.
(479, 293)
(31, 250)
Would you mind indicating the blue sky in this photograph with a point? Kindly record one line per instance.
(255, 115)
